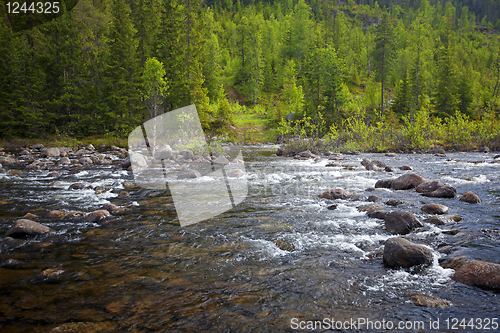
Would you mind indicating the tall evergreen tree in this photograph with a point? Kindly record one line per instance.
(122, 71)
(384, 53)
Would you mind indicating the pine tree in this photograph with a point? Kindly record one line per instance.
(384, 53)
(122, 71)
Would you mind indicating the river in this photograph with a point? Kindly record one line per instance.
(142, 272)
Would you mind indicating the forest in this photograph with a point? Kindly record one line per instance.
(358, 74)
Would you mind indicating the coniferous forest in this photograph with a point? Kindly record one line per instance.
(362, 74)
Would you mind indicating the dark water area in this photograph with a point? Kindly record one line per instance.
(142, 272)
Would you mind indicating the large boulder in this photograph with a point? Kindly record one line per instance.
(384, 183)
(136, 160)
(442, 192)
(399, 252)
(478, 274)
(401, 222)
(470, 197)
(376, 166)
(427, 187)
(336, 193)
(23, 228)
(163, 153)
(407, 181)
(51, 152)
(433, 208)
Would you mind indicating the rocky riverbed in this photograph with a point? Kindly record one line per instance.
(387, 236)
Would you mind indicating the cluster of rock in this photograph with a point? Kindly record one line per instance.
(399, 252)
(25, 229)
(37, 157)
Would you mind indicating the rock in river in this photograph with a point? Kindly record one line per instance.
(470, 197)
(97, 216)
(398, 252)
(336, 193)
(433, 208)
(428, 187)
(376, 166)
(442, 192)
(479, 274)
(383, 183)
(401, 222)
(407, 181)
(24, 227)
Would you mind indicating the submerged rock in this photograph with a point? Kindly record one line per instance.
(429, 301)
(433, 208)
(407, 181)
(470, 197)
(389, 169)
(406, 167)
(24, 227)
(478, 274)
(401, 222)
(442, 192)
(399, 252)
(332, 207)
(9, 243)
(373, 198)
(284, 245)
(336, 193)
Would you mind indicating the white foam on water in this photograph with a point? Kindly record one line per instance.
(265, 247)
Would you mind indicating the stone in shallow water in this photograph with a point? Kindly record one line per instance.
(401, 222)
(433, 208)
(470, 197)
(399, 252)
(442, 192)
(97, 216)
(429, 301)
(24, 227)
(407, 181)
(478, 273)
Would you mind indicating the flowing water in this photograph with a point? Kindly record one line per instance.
(142, 272)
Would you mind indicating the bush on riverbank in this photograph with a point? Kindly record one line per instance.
(389, 132)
